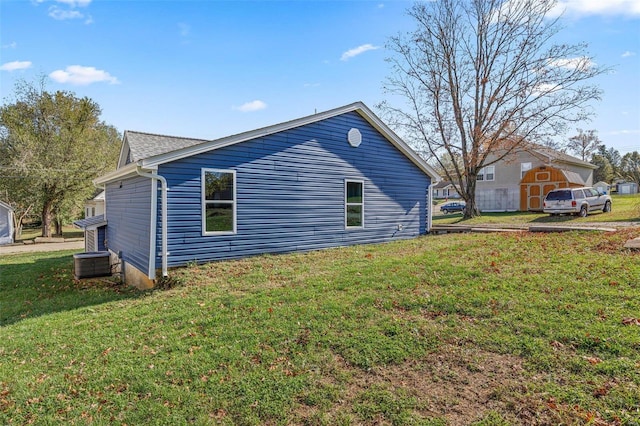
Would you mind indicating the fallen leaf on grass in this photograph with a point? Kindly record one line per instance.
(593, 360)
(602, 391)
(631, 321)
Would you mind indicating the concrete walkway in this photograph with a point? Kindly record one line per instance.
(31, 248)
(556, 227)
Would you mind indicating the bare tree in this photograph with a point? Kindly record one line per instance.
(584, 144)
(480, 78)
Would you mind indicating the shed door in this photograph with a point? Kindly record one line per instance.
(534, 201)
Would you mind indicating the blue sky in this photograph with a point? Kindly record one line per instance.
(208, 69)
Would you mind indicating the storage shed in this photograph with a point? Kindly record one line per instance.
(334, 178)
(603, 187)
(94, 232)
(6, 223)
(627, 188)
(537, 182)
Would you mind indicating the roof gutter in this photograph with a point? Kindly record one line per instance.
(164, 254)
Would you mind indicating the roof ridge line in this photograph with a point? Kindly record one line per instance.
(167, 136)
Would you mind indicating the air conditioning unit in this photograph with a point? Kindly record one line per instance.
(91, 264)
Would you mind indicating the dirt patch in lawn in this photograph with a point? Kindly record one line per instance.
(456, 385)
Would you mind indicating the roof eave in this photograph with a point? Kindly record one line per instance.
(555, 159)
(6, 205)
(154, 161)
(118, 174)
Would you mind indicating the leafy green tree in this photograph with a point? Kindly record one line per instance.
(478, 79)
(51, 147)
(604, 172)
(613, 157)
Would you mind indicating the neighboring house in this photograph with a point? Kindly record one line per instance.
(627, 188)
(331, 179)
(520, 181)
(444, 190)
(95, 206)
(603, 187)
(93, 224)
(94, 228)
(6, 223)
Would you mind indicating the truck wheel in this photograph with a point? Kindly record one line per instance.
(583, 211)
(607, 207)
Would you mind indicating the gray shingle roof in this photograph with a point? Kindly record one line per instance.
(559, 156)
(573, 177)
(442, 184)
(90, 221)
(145, 145)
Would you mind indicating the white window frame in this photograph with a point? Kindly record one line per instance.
(483, 173)
(524, 168)
(346, 204)
(204, 202)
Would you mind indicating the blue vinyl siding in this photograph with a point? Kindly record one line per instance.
(290, 193)
(128, 213)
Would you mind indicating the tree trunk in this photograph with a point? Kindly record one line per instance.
(58, 225)
(18, 221)
(469, 195)
(46, 218)
(17, 229)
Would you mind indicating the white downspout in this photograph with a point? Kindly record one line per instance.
(429, 207)
(164, 189)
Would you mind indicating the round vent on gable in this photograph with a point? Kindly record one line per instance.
(354, 137)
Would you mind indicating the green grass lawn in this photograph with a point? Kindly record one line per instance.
(625, 208)
(477, 329)
(68, 231)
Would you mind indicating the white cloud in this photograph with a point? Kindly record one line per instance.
(545, 89)
(62, 14)
(625, 132)
(15, 65)
(11, 45)
(573, 63)
(70, 3)
(357, 51)
(628, 54)
(75, 3)
(256, 105)
(597, 7)
(82, 76)
(67, 9)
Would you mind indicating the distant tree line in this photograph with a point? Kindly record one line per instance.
(611, 165)
(52, 144)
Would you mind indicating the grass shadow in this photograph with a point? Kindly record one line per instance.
(555, 219)
(36, 284)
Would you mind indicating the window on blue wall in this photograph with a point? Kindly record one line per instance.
(218, 201)
(354, 203)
